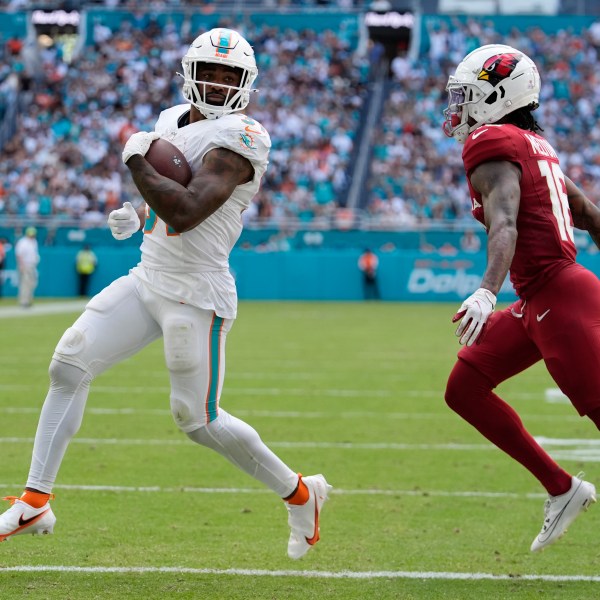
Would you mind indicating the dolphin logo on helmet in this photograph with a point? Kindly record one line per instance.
(222, 47)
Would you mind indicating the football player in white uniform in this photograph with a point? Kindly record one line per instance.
(182, 290)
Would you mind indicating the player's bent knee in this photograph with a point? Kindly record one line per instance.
(181, 349)
(465, 386)
(182, 415)
(72, 347)
(72, 342)
(454, 387)
(67, 376)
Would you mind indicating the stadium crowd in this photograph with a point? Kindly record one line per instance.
(416, 172)
(207, 5)
(65, 157)
(64, 160)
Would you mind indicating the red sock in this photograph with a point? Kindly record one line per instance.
(469, 394)
(300, 494)
(35, 499)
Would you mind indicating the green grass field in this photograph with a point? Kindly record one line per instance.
(422, 507)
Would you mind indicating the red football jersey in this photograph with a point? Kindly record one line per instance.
(545, 242)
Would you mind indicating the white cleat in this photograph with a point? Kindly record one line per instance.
(561, 511)
(22, 518)
(304, 518)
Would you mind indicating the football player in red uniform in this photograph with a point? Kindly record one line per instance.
(528, 208)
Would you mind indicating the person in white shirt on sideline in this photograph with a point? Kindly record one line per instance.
(28, 258)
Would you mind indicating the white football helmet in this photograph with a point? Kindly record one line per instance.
(489, 83)
(224, 47)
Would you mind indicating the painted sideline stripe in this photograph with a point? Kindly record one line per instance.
(336, 491)
(297, 573)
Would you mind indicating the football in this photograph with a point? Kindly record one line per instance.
(169, 161)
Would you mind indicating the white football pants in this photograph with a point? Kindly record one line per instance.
(118, 322)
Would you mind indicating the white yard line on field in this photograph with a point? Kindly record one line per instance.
(281, 444)
(46, 308)
(276, 414)
(336, 491)
(565, 448)
(589, 445)
(246, 391)
(399, 393)
(577, 450)
(281, 414)
(439, 575)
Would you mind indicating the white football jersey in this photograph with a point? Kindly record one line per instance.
(193, 267)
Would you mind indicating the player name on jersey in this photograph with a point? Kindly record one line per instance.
(540, 146)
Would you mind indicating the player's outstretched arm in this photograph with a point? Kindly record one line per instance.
(499, 184)
(586, 215)
(184, 208)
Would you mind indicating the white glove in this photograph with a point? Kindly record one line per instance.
(474, 313)
(123, 222)
(138, 143)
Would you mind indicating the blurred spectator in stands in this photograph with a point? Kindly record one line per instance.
(14, 45)
(376, 56)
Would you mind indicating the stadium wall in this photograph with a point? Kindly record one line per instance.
(310, 274)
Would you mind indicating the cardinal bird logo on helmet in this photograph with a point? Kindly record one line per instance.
(498, 67)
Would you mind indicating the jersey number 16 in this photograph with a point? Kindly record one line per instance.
(558, 197)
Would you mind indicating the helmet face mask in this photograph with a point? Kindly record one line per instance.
(489, 83)
(453, 124)
(229, 49)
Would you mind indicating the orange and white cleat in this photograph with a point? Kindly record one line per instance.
(22, 518)
(304, 518)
